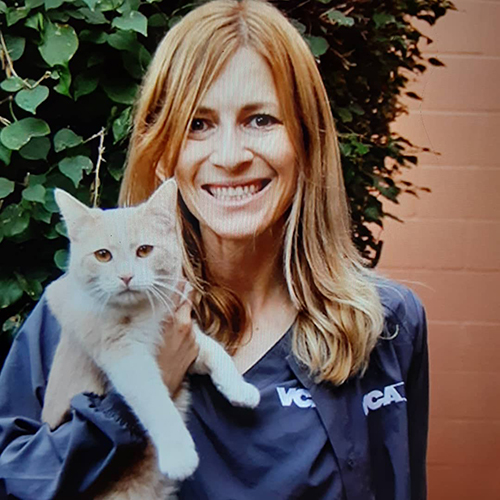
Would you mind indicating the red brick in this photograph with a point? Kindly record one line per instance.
(454, 295)
(423, 243)
(462, 139)
(482, 244)
(468, 443)
(459, 347)
(465, 395)
(463, 482)
(457, 87)
(471, 30)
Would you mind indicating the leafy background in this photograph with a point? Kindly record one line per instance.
(70, 73)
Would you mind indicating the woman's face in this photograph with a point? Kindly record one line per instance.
(237, 172)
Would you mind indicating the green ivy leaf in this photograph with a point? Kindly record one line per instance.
(39, 213)
(3, 7)
(34, 193)
(59, 44)
(345, 115)
(339, 18)
(93, 36)
(53, 4)
(91, 3)
(74, 166)
(382, 18)
(115, 171)
(318, 45)
(123, 40)
(35, 21)
(30, 99)
(37, 149)
(129, 5)
(136, 62)
(85, 83)
(5, 154)
(61, 259)
(157, 21)
(14, 220)
(12, 84)
(93, 17)
(19, 133)
(64, 81)
(121, 125)
(60, 227)
(120, 90)
(107, 5)
(31, 286)
(66, 138)
(10, 292)
(14, 15)
(15, 46)
(6, 187)
(132, 21)
(33, 4)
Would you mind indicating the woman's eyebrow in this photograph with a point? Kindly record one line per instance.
(249, 107)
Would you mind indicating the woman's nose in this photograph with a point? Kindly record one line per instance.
(230, 149)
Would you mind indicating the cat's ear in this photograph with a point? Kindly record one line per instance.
(164, 199)
(73, 211)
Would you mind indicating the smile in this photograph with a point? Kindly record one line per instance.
(236, 192)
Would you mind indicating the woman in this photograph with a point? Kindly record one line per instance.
(233, 106)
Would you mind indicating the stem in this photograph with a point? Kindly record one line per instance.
(100, 159)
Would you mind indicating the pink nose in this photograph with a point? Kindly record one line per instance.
(126, 279)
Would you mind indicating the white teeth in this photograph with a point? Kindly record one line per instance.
(234, 193)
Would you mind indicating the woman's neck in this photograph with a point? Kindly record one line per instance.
(250, 268)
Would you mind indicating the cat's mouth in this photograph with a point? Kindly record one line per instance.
(236, 192)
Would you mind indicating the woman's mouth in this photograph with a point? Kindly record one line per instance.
(237, 192)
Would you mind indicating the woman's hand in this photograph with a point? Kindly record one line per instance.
(179, 348)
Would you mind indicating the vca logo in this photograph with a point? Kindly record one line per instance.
(375, 399)
(299, 397)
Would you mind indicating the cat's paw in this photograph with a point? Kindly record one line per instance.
(242, 394)
(178, 461)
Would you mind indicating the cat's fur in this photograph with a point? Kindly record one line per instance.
(111, 329)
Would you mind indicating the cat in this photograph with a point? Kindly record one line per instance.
(124, 269)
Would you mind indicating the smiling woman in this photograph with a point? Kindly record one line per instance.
(234, 109)
(237, 170)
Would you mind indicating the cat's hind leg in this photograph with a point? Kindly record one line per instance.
(216, 362)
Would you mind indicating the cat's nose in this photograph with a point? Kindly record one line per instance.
(126, 279)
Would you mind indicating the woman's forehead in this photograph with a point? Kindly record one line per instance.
(246, 81)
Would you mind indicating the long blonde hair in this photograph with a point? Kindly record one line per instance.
(340, 314)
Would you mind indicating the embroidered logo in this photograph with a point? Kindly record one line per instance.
(298, 396)
(375, 399)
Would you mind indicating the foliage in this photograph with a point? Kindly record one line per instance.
(71, 69)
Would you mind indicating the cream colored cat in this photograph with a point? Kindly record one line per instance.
(124, 269)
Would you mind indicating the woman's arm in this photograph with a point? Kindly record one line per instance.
(36, 462)
(418, 404)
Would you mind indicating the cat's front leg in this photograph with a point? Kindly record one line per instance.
(134, 373)
(215, 361)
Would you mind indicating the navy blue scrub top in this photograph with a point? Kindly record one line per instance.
(279, 450)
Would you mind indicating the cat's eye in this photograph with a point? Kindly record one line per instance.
(144, 250)
(103, 255)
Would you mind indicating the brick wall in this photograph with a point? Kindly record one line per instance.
(448, 249)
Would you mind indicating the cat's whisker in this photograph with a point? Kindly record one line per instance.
(172, 289)
(161, 299)
(151, 302)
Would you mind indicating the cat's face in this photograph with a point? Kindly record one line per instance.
(128, 255)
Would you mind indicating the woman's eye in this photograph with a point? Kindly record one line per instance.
(144, 250)
(262, 121)
(198, 125)
(103, 255)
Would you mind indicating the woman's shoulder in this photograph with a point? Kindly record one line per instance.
(403, 310)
